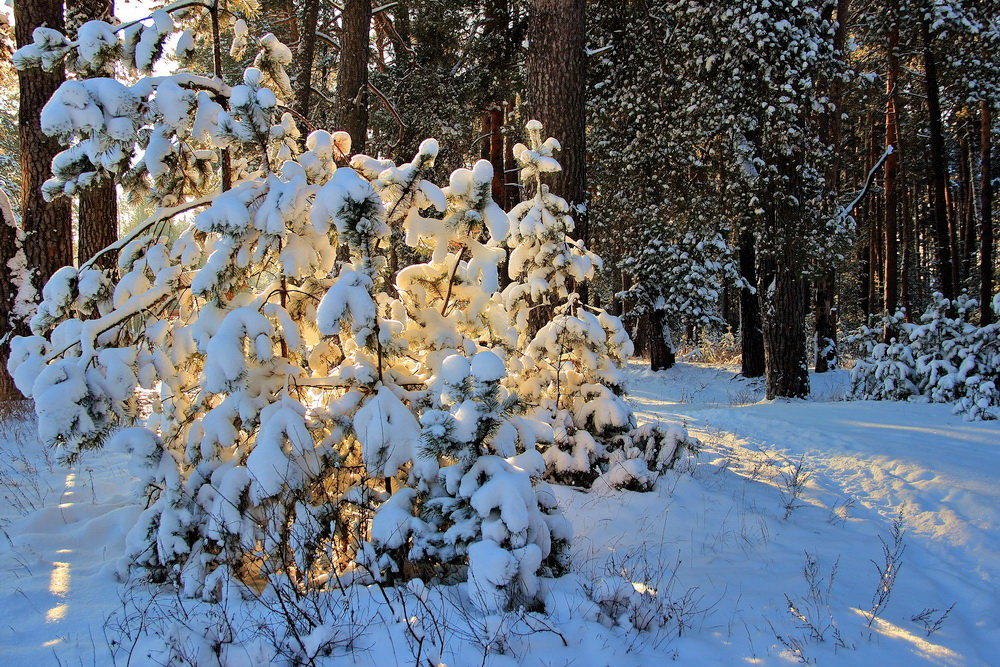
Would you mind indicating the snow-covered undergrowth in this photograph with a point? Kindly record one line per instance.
(942, 358)
(772, 549)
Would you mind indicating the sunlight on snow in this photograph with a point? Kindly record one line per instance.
(927, 650)
(59, 578)
(950, 432)
(70, 483)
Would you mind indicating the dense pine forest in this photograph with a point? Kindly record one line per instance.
(405, 332)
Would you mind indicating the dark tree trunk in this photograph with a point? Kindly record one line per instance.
(891, 195)
(661, 349)
(864, 274)
(906, 239)
(497, 157)
(782, 289)
(875, 268)
(97, 206)
(868, 254)
(352, 73)
(783, 303)
(514, 193)
(98, 226)
(48, 242)
(951, 210)
(556, 81)
(307, 55)
(47, 226)
(826, 323)
(967, 215)
(826, 284)
(226, 162)
(943, 252)
(493, 151)
(986, 216)
(751, 334)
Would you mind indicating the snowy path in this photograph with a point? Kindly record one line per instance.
(941, 471)
(59, 560)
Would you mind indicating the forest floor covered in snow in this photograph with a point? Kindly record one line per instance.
(805, 531)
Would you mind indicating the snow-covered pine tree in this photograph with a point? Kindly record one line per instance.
(470, 506)
(275, 337)
(570, 365)
(678, 283)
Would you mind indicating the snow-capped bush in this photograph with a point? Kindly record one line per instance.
(643, 455)
(943, 359)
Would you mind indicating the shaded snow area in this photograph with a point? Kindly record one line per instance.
(806, 531)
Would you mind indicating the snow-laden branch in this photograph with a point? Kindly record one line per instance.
(869, 179)
(160, 215)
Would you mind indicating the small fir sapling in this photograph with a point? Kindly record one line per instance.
(570, 365)
(469, 500)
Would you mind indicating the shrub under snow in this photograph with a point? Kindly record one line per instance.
(943, 358)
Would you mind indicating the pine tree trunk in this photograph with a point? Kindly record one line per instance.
(307, 55)
(875, 262)
(826, 285)
(943, 251)
(661, 351)
(47, 226)
(906, 233)
(864, 273)
(891, 194)
(986, 267)
(966, 214)
(783, 304)
(951, 210)
(826, 323)
(556, 84)
(497, 156)
(98, 226)
(751, 334)
(97, 207)
(352, 73)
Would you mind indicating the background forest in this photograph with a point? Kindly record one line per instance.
(729, 162)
